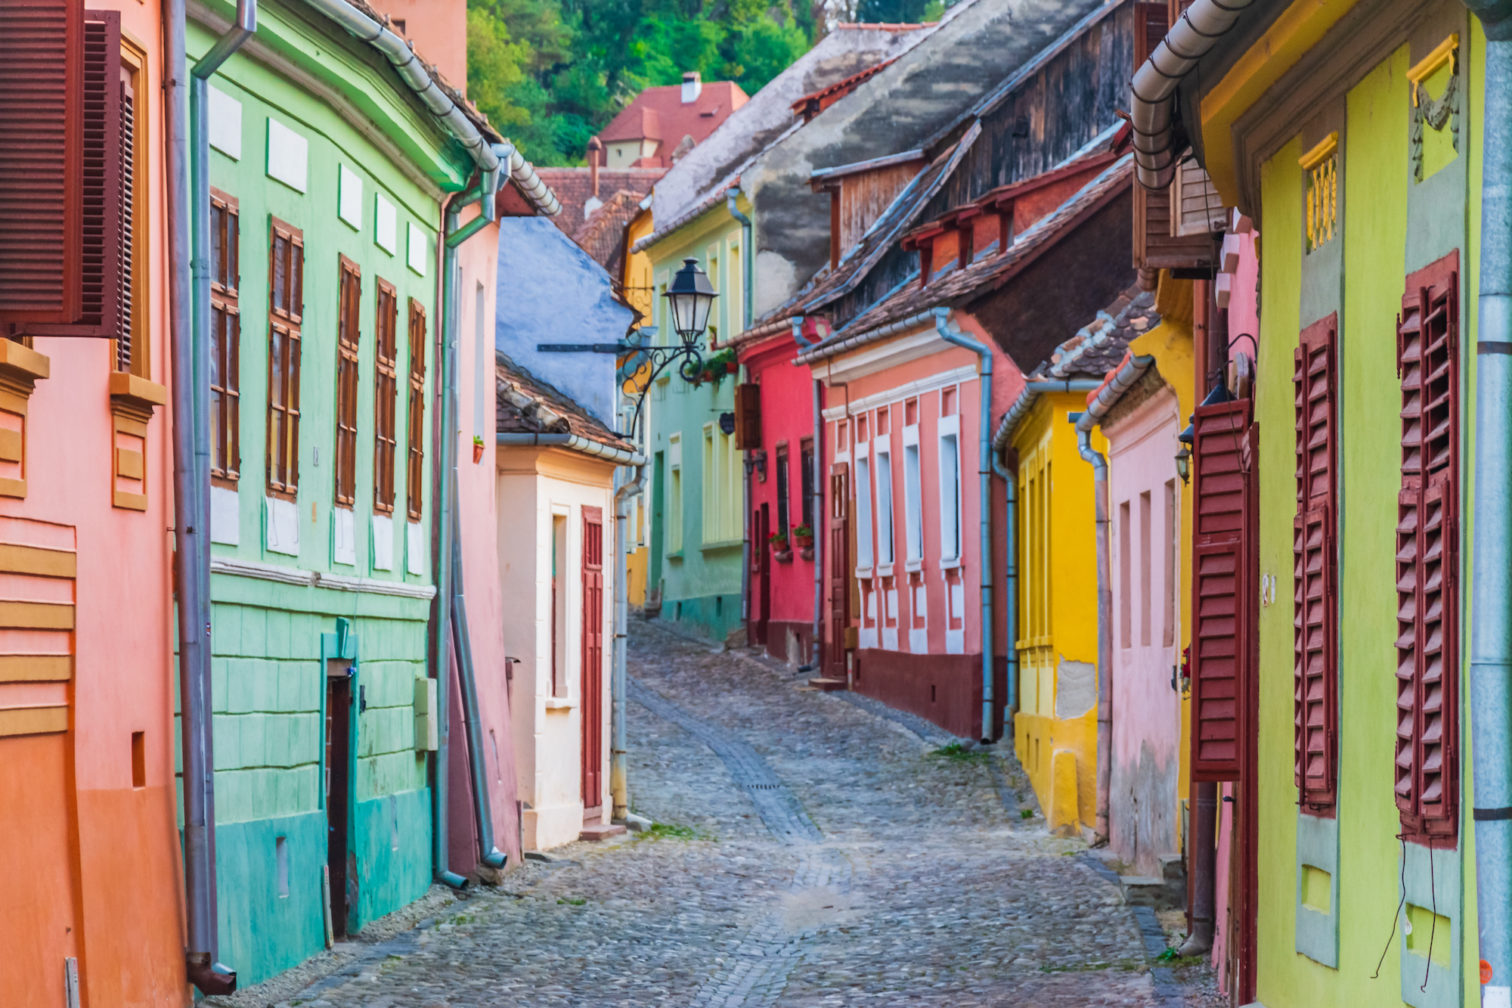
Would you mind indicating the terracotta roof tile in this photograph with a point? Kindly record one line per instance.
(574, 188)
(1101, 345)
(528, 405)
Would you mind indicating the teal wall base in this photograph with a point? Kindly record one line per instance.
(263, 931)
(711, 616)
(393, 853)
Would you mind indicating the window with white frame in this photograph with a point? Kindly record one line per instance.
(674, 494)
(950, 488)
(863, 510)
(913, 506)
(884, 505)
(721, 486)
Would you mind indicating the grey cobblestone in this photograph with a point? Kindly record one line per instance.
(909, 880)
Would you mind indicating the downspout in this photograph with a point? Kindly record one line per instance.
(1010, 586)
(1104, 613)
(1490, 617)
(189, 290)
(955, 337)
(732, 204)
(619, 745)
(816, 508)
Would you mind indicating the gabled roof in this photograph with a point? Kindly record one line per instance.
(574, 188)
(527, 405)
(659, 113)
(827, 95)
(965, 284)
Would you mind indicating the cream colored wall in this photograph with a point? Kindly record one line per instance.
(534, 485)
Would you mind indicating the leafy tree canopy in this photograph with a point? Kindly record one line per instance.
(550, 74)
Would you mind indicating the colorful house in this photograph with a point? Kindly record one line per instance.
(661, 124)
(556, 468)
(328, 177)
(94, 889)
(1330, 504)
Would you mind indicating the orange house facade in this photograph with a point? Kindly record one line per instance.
(90, 843)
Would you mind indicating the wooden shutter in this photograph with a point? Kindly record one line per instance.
(593, 655)
(1217, 585)
(414, 483)
(1427, 745)
(348, 340)
(748, 416)
(41, 161)
(1315, 569)
(106, 137)
(839, 557)
(385, 395)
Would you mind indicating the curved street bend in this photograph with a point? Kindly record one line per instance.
(809, 849)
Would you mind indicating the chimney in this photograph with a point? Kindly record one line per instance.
(595, 150)
(692, 87)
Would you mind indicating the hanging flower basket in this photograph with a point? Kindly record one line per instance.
(477, 450)
(803, 537)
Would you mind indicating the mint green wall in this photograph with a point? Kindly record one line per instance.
(270, 638)
(700, 582)
(1377, 247)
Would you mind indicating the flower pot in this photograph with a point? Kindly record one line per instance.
(732, 366)
(783, 555)
(477, 452)
(803, 542)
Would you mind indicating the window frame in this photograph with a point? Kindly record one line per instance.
(348, 380)
(414, 419)
(385, 395)
(225, 338)
(282, 463)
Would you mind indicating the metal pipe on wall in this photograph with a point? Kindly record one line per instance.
(1204, 863)
(619, 780)
(732, 201)
(1490, 616)
(984, 487)
(1010, 590)
(1104, 614)
(820, 520)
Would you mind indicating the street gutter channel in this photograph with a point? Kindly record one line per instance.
(1167, 990)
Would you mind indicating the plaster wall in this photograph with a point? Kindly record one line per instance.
(535, 486)
(1144, 814)
(91, 852)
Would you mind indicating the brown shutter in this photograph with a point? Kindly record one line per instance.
(1315, 569)
(747, 416)
(41, 173)
(1427, 746)
(1217, 658)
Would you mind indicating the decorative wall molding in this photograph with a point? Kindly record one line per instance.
(317, 579)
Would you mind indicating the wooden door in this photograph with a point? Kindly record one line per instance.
(839, 569)
(761, 576)
(338, 750)
(592, 704)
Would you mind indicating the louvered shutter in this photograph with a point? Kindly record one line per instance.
(41, 176)
(748, 416)
(1315, 571)
(1217, 586)
(1427, 746)
(104, 263)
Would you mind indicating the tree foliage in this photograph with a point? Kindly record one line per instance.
(550, 74)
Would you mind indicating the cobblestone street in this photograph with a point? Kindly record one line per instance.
(809, 849)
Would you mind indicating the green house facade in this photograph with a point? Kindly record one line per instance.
(696, 487)
(327, 180)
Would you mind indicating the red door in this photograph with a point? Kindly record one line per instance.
(761, 576)
(839, 570)
(593, 657)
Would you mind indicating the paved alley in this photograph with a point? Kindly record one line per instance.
(810, 849)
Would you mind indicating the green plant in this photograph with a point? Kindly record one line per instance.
(803, 532)
(1026, 813)
(572, 901)
(957, 751)
(672, 831)
(779, 540)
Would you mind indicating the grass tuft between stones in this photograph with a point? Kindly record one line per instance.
(672, 831)
(957, 751)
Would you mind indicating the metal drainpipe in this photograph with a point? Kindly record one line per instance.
(1104, 613)
(619, 780)
(1010, 589)
(1490, 616)
(984, 486)
(189, 291)
(816, 507)
(732, 199)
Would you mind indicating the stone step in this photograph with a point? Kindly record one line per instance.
(1153, 891)
(600, 831)
(826, 684)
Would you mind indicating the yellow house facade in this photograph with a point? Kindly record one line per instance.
(636, 286)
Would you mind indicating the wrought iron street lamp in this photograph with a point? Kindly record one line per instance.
(690, 298)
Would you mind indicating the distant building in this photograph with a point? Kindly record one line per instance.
(650, 130)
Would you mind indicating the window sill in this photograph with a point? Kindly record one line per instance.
(135, 396)
(560, 703)
(716, 545)
(674, 555)
(21, 367)
(954, 563)
(914, 566)
(807, 553)
(863, 572)
(884, 570)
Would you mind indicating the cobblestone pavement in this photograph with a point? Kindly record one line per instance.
(811, 849)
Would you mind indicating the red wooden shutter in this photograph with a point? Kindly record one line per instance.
(1217, 655)
(1315, 560)
(100, 260)
(747, 416)
(41, 173)
(593, 654)
(1427, 746)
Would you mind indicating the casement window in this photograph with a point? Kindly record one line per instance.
(884, 508)
(225, 338)
(285, 315)
(1427, 567)
(913, 493)
(782, 490)
(386, 394)
(721, 498)
(950, 488)
(674, 494)
(1221, 509)
(71, 252)
(1315, 570)
(414, 488)
(348, 345)
(863, 511)
(806, 481)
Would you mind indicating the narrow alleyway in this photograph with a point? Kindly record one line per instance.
(810, 849)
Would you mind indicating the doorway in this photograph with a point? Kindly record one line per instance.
(761, 575)
(592, 676)
(338, 754)
(839, 572)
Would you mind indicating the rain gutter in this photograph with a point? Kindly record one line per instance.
(1490, 616)
(1152, 114)
(573, 442)
(823, 350)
